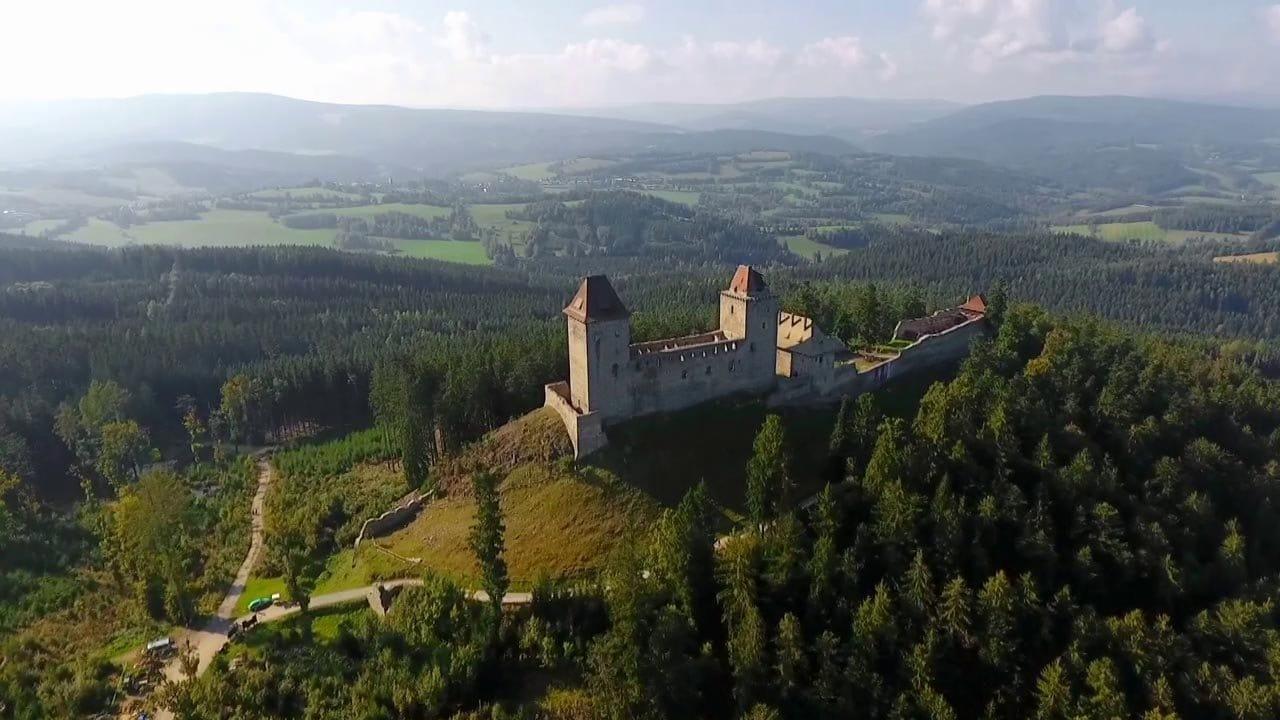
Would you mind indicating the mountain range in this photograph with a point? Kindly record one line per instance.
(1126, 143)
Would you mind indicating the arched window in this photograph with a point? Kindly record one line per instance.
(615, 369)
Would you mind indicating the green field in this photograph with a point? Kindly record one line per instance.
(891, 218)
(239, 228)
(806, 248)
(685, 197)
(468, 253)
(259, 587)
(1270, 178)
(305, 193)
(368, 211)
(215, 228)
(586, 164)
(533, 171)
(64, 196)
(1120, 232)
(495, 217)
(40, 226)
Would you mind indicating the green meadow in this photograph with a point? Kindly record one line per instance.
(1120, 232)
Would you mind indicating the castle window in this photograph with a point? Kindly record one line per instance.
(615, 369)
(730, 309)
(731, 365)
(753, 347)
(708, 369)
(684, 374)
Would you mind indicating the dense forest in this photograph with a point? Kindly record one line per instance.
(1080, 525)
(1064, 451)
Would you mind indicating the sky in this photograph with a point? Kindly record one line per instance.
(579, 53)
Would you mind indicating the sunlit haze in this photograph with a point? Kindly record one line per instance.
(574, 53)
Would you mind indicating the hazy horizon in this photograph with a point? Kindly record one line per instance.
(574, 54)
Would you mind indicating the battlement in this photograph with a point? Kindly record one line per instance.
(688, 342)
(756, 350)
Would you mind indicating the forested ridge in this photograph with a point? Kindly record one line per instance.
(1098, 470)
(1080, 525)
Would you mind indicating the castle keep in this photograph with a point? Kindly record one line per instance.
(756, 350)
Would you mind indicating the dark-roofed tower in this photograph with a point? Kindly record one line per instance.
(599, 347)
(749, 313)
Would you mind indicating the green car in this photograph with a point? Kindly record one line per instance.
(261, 603)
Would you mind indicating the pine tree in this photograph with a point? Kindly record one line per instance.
(793, 663)
(917, 587)
(1053, 693)
(823, 561)
(954, 611)
(841, 432)
(487, 540)
(745, 625)
(768, 482)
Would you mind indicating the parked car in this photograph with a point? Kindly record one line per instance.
(160, 647)
(260, 604)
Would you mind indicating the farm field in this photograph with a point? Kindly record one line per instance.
(38, 227)
(807, 248)
(241, 228)
(468, 253)
(368, 211)
(1263, 258)
(304, 193)
(215, 228)
(685, 197)
(891, 218)
(494, 217)
(532, 171)
(63, 196)
(1270, 178)
(1120, 232)
(586, 164)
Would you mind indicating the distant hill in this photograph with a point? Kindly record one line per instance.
(1129, 143)
(850, 119)
(432, 142)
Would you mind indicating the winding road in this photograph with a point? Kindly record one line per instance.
(207, 641)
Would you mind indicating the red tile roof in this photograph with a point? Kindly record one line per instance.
(596, 301)
(977, 303)
(747, 281)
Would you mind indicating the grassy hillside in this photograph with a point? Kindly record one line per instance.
(564, 518)
(560, 522)
(1121, 231)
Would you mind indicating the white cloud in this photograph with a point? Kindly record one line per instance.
(623, 14)
(845, 51)
(1037, 32)
(1127, 32)
(462, 37)
(1272, 16)
(609, 54)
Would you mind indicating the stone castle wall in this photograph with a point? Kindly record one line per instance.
(586, 431)
(675, 379)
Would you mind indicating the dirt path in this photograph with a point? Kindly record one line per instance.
(208, 640)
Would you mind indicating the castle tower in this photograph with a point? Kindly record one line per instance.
(749, 313)
(599, 342)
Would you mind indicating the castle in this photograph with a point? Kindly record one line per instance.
(757, 350)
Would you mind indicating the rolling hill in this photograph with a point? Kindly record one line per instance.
(427, 141)
(847, 118)
(1133, 144)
